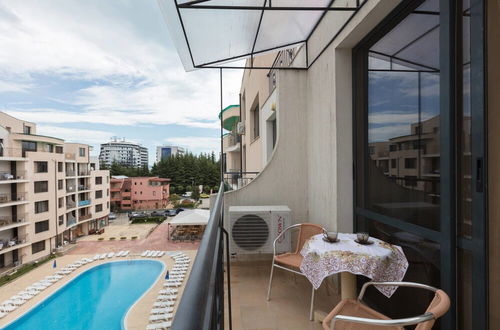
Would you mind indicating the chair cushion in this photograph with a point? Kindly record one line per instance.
(289, 259)
(352, 307)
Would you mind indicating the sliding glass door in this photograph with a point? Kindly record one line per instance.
(419, 152)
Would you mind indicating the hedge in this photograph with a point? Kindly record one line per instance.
(148, 220)
(24, 269)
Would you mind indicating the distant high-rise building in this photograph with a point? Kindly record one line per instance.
(124, 153)
(163, 152)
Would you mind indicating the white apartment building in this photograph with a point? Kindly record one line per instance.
(123, 152)
(49, 193)
(163, 152)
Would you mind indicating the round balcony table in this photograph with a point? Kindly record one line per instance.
(380, 261)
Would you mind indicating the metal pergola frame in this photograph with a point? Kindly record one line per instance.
(268, 6)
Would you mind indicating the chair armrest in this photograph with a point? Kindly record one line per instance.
(395, 322)
(281, 234)
(406, 284)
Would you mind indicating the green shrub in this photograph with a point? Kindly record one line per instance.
(100, 239)
(123, 238)
(148, 220)
(112, 238)
(133, 237)
(24, 269)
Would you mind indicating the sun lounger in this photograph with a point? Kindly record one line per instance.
(102, 257)
(111, 255)
(96, 257)
(8, 308)
(162, 253)
(159, 317)
(153, 254)
(159, 326)
(2, 314)
(126, 253)
(143, 254)
(163, 304)
(167, 303)
(18, 302)
(166, 296)
(172, 284)
(169, 291)
(26, 297)
(164, 310)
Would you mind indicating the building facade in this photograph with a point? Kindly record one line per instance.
(49, 193)
(124, 153)
(163, 152)
(139, 193)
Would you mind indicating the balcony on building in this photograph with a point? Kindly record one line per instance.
(12, 154)
(17, 176)
(84, 202)
(70, 203)
(70, 219)
(12, 240)
(13, 220)
(85, 216)
(11, 199)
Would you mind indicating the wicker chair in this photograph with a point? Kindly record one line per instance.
(291, 261)
(353, 314)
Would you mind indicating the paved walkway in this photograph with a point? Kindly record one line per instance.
(157, 240)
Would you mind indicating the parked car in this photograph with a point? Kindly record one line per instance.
(178, 210)
(112, 216)
(171, 212)
(132, 215)
(204, 195)
(160, 213)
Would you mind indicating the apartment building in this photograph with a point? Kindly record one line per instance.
(163, 152)
(139, 193)
(124, 153)
(49, 192)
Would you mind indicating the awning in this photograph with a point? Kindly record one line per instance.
(191, 218)
(212, 33)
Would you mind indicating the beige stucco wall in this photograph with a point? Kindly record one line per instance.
(311, 167)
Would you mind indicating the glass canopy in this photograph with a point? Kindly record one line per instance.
(214, 33)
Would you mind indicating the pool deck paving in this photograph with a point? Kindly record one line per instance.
(138, 316)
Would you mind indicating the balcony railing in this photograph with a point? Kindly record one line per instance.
(84, 202)
(11, 242)
(83, 172)
(85, 217)
(70, 173)
(11, 152)
(83, 187)
(236, 180)
(19, 175)
(70, 221)
(204, 291)
(8, 198)
(70, 189)
(70, 204)
(7, 220)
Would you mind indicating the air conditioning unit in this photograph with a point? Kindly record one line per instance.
(254, 228)
(240, 128)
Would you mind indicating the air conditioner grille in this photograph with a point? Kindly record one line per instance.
(250, 232)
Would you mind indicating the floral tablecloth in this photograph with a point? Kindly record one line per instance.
(379, 261)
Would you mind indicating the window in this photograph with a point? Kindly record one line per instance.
(255, 122)
(60, 166)
(61, 220)
(60, 184)
(107, 192)
(410, 163)
(98, 208)
(41, 186)
(37, 247)
(60, 202)
(98, 180)
(59, 149)
(26, 129)
(41, 226)
(82, 152)
(28, 146)
(41, 167)
(393, 163)
(42, 206)
(98, 194)
(107, 205)
(393, 147)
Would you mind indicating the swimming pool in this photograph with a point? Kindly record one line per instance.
(99, 298)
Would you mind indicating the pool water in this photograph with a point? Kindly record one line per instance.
(99, 298)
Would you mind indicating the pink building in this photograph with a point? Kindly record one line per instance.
(139, 193)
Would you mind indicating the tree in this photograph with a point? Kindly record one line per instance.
(196, 193)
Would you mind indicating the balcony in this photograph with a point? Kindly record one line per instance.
(9, 221)
(12, 153)
(115, 188)
(70, 221)
(70, 172)
(8, 199)
(70, 189)
(127, 194)
(85, 217)
(69, 156)
(83, 187)
(84, 202)
(9, 177)
(83, 172)
(70, 204)
(235, 179)
(13, 243)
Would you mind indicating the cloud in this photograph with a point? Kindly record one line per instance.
(86, 136)
(196, 144)
(132, 74)
(384, 133)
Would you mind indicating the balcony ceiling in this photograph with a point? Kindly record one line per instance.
(212, 33)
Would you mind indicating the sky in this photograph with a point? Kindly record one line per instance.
(87, 71)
